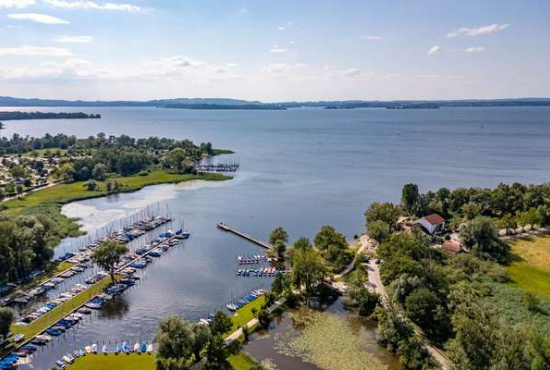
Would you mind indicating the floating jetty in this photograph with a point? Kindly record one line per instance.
(246, 236)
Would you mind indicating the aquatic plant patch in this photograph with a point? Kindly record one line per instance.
(328, 342)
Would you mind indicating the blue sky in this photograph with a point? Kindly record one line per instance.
(275, 51)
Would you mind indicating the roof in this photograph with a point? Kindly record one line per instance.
(434, 219)
(451, 247)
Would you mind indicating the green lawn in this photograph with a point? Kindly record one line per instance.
(244, 315)
(531, 268)
(242, 361)
(114, 362)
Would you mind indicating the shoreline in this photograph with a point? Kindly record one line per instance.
(49, 201)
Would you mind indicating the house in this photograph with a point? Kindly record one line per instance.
(432, 223)
(452, 247)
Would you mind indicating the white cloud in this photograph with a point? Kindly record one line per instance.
(39, 18)
(232, 65)
(15, 3)
(333, 72)
(371, 37)
(351, 72)
(70, 69)
(280, 68)
(277, 49)
(434, 50)
(476, 31)
(75, 39)
(92, 5)
(476, 49)
(31, 51)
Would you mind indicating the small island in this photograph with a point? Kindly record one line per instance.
(13, 116)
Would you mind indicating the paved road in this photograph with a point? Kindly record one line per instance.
(375, 284)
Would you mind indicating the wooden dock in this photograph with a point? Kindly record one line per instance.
(246, 236)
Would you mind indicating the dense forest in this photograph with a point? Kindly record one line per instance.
(449, 296)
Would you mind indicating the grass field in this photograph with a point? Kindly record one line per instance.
(242, 361)
(531, 269)
(244, 314)
(114, 362)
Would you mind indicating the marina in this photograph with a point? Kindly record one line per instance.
(124, 269)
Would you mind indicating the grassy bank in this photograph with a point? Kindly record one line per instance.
(530, 270)
(244, 314)
(110, 362)
(49, 201)
(45, 321)
(242, 361)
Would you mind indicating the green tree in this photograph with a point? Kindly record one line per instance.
(302, 243)
(176, 158)
(471, 210)
(67, 172)
(411, 200)
(201, 337)
(216, 355)
(378, 230)
(280, 249)
(329, 237)
(6, 319)
(100, 172)
(279, 234)
(108, 255)
(481, 237)
(385, 212)
(308, 269)
(221, 324)
(175, 343)
(530, 217)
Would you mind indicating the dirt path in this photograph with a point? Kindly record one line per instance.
(375, 284)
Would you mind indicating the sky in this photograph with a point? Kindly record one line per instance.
(275, 50)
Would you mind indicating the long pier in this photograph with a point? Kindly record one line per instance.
(246, 236)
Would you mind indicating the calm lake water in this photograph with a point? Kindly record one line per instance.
(300, 169)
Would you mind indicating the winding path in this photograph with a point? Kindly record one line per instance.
(363, 244)
(375, 284)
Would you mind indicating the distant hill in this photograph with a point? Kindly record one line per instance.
(224, 103)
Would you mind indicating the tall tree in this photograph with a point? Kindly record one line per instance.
(481, 237)
(201, 337)
(6, 319)
(175, 343)
(279, 234)
(385, 212)
(108, 255)
(308, 269)
(410, 199)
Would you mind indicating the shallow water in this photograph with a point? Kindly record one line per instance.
(300, 169)
(263, 346)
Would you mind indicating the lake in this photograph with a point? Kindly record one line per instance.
(300, 169)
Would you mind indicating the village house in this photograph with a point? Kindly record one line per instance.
(432, 224)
